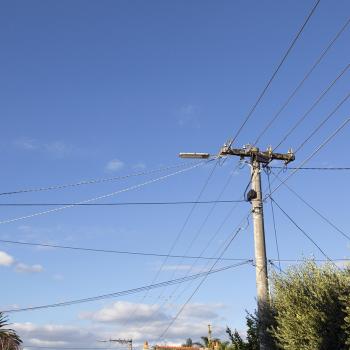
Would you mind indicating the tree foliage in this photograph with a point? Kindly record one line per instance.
(312, 308)
(9, 340)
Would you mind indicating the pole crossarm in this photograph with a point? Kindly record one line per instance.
(254, 152)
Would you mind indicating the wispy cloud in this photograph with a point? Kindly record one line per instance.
(139, 165)
(24, 268)
(188, 115)
(26, 144)
(56, 148)
(114, 165)
(121, 311)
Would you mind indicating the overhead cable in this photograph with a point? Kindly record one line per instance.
(201, 281)
(307, 75)
(310, 168)
(134, 187)
(109, 251)
(303, 232)
(324, 121)
(124, 292)
(120, 203)
(199, 230)
(274, 220)
(276, 71)
(318, 149)
(95, 181)
(316, 102)
(323, 217)
(180, 232)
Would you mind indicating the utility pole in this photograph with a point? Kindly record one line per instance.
(255, 197)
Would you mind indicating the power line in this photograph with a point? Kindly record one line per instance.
(313, 259)
(210, 241)
(134, 187)
(201, 228)
(94, 181)
(120, 203)
(316, 63)
(276, 71)
(334, 226)
(311, 168)
(303, 232)
(179, 234)
(203, 250)
(109, 251)
(323, 144)
(125, 292)
(324, 120)
(202, 281)
(207, 245)
(316, 102)
(274, 220)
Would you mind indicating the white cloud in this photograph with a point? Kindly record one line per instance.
(20, 267)
(188, 115)
(127, 320)
(121, 311)
(57, 148)
(114, 165)
(202, 311)
(139, 165)
(6, 259)
(135, 320)
(26, 144)
(58, 277)
(54, 334)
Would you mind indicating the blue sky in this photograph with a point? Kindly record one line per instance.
(99, 89)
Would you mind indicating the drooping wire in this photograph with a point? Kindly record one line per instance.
(134, 187)
(179, 234)
(267, 171)
(316, 102)
(109, 251)
(250, 113)
(95, 181)
(317, 150)
(304, 233)
(208, 243)
(307, 75)
(122, 293)
(198, 232)
(312, 168)
(201, 282)
(279, 268)
(324, 121)
(323, 217)
(120, 203)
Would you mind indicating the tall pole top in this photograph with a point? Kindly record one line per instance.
(247, 151)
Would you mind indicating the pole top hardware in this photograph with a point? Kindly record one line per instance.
(254, 152)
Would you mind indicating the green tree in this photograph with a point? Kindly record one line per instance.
(237, 342)
(9, 340)
(312, 308)
(252, 332)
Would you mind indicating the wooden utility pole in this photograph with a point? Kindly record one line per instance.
(255, 197)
